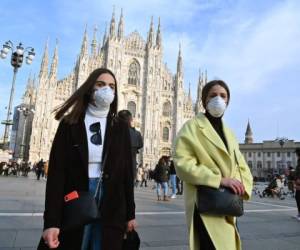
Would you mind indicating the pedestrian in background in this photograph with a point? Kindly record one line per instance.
(136, 138)
(172, 178)
(139, 176)
(145, 176)
(162, 171)
(179, 186)
(207, 153)
(39, 168)
(91, 147)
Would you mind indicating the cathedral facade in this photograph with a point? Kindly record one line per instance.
(154, 95)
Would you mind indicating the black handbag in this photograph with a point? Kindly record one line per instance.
(80, 211)
(131, 241)
(220, 201)
(81, 208)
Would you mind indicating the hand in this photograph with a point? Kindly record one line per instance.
(235, 185)
(50, 237)
(131, 225)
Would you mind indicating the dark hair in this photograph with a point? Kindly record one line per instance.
(125, 115)
(82, 96)
(211, 84)
(163, 160)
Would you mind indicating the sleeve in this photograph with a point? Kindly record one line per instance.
(128, 184)
(247, 178)
(188, 167)
(55, 180)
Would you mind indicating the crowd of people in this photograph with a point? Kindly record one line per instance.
(14, 168)
(281, 186)
(166, 182)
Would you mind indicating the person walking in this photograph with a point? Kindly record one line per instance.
(172, 178)
(139, 176)
(145, 176)
(90, 147)
(39, 169)
(136, 138)
(207, 153)
(179, 186)
(162, 177)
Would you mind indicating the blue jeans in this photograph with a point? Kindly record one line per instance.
(92, 232)
(173, 183)
(164, 186)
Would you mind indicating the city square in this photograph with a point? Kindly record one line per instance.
(268, 223)
(200, 91)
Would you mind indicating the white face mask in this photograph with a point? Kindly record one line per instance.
(216, 106)
(104, 97)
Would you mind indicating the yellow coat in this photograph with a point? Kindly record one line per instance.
(201, 158)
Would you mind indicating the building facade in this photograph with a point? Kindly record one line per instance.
(268, 157)
(155, 96)
(22, 124)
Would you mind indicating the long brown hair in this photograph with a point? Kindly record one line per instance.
(82, 96)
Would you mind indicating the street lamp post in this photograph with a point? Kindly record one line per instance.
(16, 61)
(281, 141)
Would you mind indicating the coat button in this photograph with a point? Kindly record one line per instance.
(106, 176)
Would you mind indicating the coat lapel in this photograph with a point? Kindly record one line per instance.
(79, 140)
(210, 133)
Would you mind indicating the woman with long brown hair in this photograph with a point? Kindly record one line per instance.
(89, 132)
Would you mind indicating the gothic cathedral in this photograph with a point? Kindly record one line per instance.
(146, 87)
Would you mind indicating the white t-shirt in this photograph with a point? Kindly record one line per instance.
(95, 151)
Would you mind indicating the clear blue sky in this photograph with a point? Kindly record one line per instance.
(252, 45)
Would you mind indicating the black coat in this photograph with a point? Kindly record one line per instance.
(68, 171)
(136, 140)
(162, 172)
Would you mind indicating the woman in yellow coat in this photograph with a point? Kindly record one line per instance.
(207, 153)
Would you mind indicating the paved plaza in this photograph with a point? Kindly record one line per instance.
(268, 224)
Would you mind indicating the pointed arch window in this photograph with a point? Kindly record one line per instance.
(167, 109)
(134, 73)
(131, 106)
(165, 134)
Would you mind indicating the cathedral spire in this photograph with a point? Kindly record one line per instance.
(158, 35)
(190, 96)
(105, 35)
(45, 61)
(199, 106)
(53, 69)
(29, 90)
(94, 41)
(84, 46)
(151, 34)
(248, 134)
(205, 76)
(29, 81)
(112, 29)
(34, 81)
(121, 26)
(179, 62)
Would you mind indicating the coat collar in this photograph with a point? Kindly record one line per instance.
(79, 140)
(212, 135)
